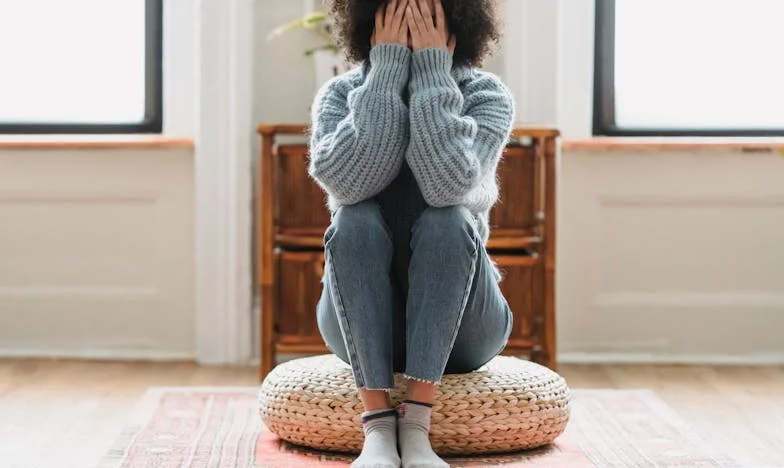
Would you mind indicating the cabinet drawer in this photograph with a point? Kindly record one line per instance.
(518, 211)
(523, 287)
(300, 204)
(299, 290)
(302, 217)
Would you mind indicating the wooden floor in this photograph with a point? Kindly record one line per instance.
(66, 413)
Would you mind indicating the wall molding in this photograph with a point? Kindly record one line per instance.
(31, 291)
(688, 201)
(756, 359)
(79, 196)
(669, 299)
(223, 181)
(101, 354)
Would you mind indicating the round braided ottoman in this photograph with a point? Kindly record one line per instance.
(506, 406)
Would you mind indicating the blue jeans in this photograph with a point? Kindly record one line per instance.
(423, 300)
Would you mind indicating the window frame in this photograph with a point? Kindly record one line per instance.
(153, 106)
(604, 122)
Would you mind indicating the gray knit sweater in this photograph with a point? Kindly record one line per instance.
(400, 109)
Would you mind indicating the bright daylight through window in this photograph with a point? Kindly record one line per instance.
(691, 66)
(80, 66)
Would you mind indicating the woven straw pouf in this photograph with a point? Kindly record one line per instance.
(506, 406)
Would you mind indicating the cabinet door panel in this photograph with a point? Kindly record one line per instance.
(519, 181)
(299, 290)
(522, 287)
(300, 203)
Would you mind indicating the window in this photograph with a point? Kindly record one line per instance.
(689, 67)
(80, 66)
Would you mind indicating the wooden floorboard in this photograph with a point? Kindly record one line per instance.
(67, 413)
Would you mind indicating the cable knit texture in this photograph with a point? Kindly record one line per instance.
(448, 123)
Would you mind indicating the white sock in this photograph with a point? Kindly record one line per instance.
(380, 447)
(414, 436)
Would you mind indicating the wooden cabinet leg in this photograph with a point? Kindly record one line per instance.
(551, 176)
(267, 331)
(549, 361)
(544, 355)
(266, 246)
(267, 360)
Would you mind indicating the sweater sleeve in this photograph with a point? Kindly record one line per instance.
(457, 137)
(359, 134)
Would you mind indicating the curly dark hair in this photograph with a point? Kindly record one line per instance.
(473, 22)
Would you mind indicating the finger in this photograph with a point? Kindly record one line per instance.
(412, 23)
(425, 13)
(400, 14)
(380, 18)
(390, 13)
(440, 17)
(400, 22)
(417, 15)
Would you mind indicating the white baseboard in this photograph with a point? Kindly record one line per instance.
(760, 359)
(757, 359)
(98, 354)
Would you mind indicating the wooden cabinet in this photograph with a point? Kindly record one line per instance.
(293, 217)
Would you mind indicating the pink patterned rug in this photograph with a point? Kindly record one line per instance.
(220, 428)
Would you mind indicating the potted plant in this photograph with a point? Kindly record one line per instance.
(328, 57)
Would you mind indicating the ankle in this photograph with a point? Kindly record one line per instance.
(415, 413)
(421, 391)
(375, 399)
(372, 415)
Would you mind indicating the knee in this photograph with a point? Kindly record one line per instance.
(358, 227)
(448, 226)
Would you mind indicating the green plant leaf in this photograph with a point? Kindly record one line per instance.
(329, 47)
(315, 19)
(309, 21)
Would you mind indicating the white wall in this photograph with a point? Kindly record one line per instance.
(97, 245)
(665, 255)
(96, 253)
(671, 256)
(284, 82)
